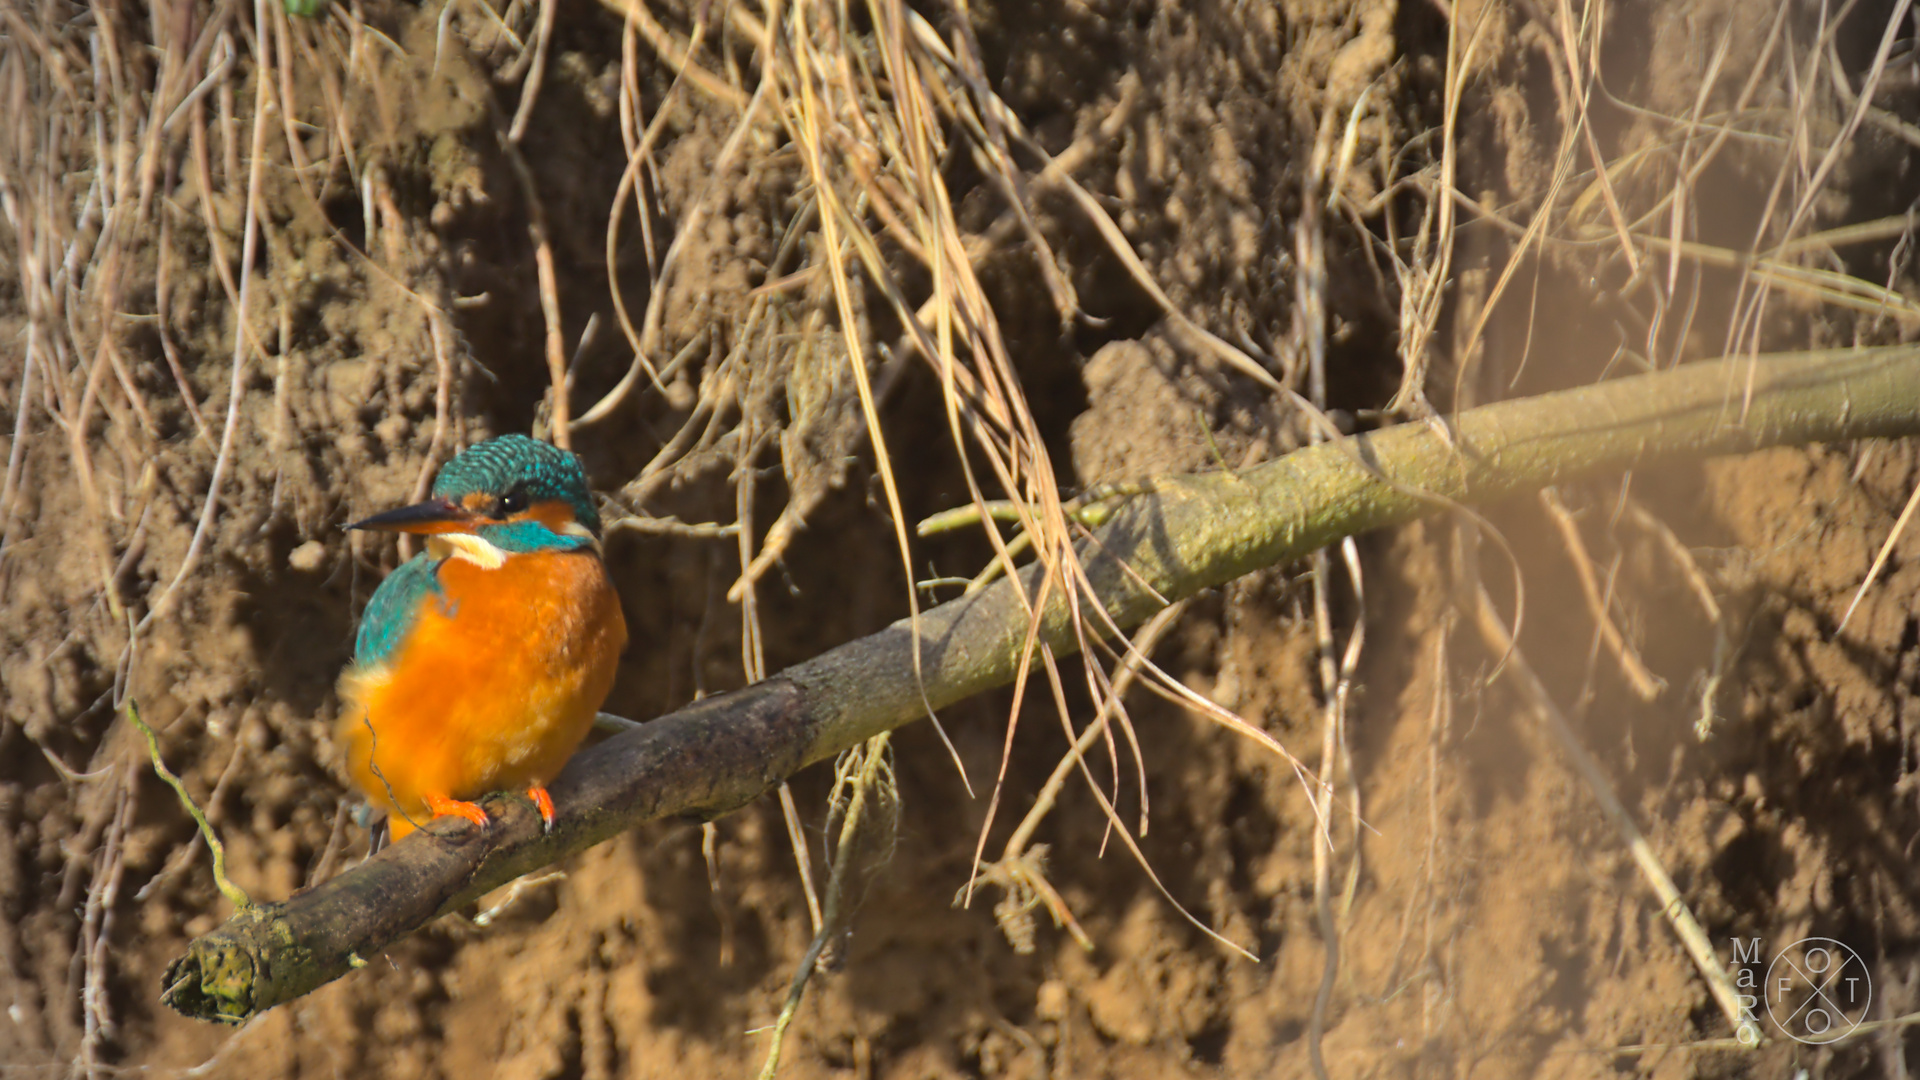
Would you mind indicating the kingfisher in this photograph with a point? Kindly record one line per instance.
(482, 661)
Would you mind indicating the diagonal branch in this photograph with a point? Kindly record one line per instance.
(1185, 534)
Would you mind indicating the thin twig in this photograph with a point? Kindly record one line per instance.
(530, 90)
(1880, 560)
(227, 888)
(560, 423)
(867, 802)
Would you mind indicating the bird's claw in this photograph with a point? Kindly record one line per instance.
(542, 802)
(446, 807)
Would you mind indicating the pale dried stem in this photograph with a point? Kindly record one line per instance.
(679, 53)
(514, 892)
(289, 122)
(536, 74)
(1019, 873)
(1144, 641)
(96, 929)
(632, 109)
(26, 236)
(1646, 685)
(440, 333)
(1880, 559)
(716, 886)
(1582, 82)
(559, 419)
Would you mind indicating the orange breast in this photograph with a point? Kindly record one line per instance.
(494, 686)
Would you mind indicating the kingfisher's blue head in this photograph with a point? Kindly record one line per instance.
(506, 496)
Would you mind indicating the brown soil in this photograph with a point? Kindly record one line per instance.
(1490, 921)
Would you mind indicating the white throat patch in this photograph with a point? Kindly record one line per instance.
(467, 547)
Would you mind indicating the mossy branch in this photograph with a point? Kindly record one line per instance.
(1180, 536)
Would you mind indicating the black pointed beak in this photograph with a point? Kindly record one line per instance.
(432, 516)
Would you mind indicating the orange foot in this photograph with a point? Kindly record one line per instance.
(442, 806)
(542, 802)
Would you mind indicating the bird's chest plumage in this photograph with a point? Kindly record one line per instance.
(494, 681)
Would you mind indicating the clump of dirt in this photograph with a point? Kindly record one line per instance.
(170, 529)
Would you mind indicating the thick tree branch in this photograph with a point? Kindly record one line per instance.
(1189, 533)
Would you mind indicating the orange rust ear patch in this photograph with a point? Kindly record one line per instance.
(555, 514)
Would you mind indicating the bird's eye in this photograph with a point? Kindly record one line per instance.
(512, 503)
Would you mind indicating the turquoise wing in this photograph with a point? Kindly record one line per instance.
(393, 609)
